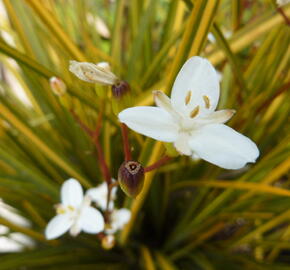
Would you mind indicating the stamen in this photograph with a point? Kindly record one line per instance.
(194, 112)
(71, 208)
(206, 101)
(188, 97)
(60, 209)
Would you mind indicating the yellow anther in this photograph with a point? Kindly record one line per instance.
(60, 210)
(71, 208)
(188, 97)
(206, 101)
(194, 112)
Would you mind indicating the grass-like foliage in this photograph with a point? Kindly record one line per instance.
(189, 214)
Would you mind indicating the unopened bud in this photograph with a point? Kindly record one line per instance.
(104, 65)
(120, 89)
(131, 178)
(57, 86)
(93, 73)
(108, 242)
(121, 96)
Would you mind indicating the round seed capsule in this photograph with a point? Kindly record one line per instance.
(131, 178)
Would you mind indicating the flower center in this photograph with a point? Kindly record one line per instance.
(61, 209)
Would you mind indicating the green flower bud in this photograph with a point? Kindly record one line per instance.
(131, 178)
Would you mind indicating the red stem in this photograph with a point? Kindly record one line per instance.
(82, 125)
(104, 166)
(158, 164)
(126, 145)
(95, 137)
(281, 11)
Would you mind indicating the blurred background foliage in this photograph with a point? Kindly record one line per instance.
(191, 214)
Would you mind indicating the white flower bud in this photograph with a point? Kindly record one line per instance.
(104, 65)
(93, 73)
(58, 87)
(108, 242)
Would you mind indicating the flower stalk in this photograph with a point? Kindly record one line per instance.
(126, 145)
(286, 19)
(158, 163)
(94, 135)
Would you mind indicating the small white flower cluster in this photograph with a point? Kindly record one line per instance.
(75, 213)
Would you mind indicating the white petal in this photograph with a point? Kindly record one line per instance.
(182, 144)
(164, 102)
(217, 117)
(114, 190)
(195, 157)
(57, 226)
(119, 219)
(99, 195)
(150, 121)
(223, 146)
(75, 229)
(196, 84)
(71, 193)
(91, 220)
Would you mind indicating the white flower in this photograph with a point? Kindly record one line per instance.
(282, 2)
(119, 218)
(189, 119)
(99, 195)
(74, 213)
(93, 73)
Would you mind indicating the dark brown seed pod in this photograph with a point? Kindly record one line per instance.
(120, 89)
(131, 178)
